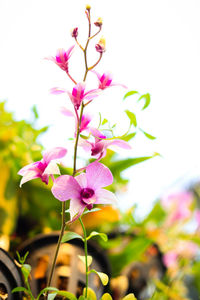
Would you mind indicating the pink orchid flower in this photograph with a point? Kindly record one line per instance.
(78, 94)
(170, 259)
(99, 147)
(85, 190)
(178, 206)
(62, 57)
(44, 168)
(85, 120)
(105, 81)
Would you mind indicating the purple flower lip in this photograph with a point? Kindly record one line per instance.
(86, 193)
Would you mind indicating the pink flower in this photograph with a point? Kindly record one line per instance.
(78, 94)
(99, 147)
(105, 80)
(170, 259)
(85, 190)
(179, 206)
(85, 121)
(44, 168)
(62, 57)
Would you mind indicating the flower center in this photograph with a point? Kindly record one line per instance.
(86, 193)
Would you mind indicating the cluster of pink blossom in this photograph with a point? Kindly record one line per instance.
(86, 189)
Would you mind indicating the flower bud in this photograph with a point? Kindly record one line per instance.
(101, 46)
(88, 7)
(98, 23)
(74, 32)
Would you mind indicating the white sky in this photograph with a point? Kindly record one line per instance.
(152, 46)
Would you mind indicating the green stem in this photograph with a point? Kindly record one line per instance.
(86, 256)
(58, 245)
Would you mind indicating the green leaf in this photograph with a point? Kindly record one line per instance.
(149, 136)
(68, 295)
(91, 211)
(104, 121)
(35, 112)
(106, 296)
(131, 252)
(132, 117)
(47, 289)
(95, 233)
(89, 259)
(90, 294)
(103, 277)
(129, 297)
(147, 99)
(26, 269)
(84, 136)
(82, 298)
(70, 236)
(20, 289)
(129, 136)
(130, 93)
(51, 296)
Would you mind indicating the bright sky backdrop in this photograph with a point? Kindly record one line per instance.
(152, 46)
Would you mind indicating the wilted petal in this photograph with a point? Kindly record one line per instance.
(55, 153)
(105, 197)
(52, 168)
(29, 175)
(66, 187)
(98, 175)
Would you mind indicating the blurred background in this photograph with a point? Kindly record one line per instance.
(152, 47)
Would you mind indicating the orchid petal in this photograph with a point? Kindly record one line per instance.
(57, 91)
(119, 143)
(76, 209)
(31, 174)
(66, 112)
(29, 167)
(82, 180)
(86, 145)
(55, 153)
(98, 175)
(66, 187)
(105, 197)
(52, 168)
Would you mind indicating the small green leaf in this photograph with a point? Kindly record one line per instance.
(149, 136)
(35, 112)
(91, 211)
(90, 294)
(84, 136)
(103, 277)
(130, 93)
(89, 259)
(129, 136)
(104, 121)
(95, 233)
(47, 289)
(70, 236)
(20, 289)
(26, 269)
(51, 296)
(68, 295)
(106, 296)
(147, 99)
(82, 298)
(132, 117)
(129, 297)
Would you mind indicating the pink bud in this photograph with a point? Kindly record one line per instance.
(74, 32)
